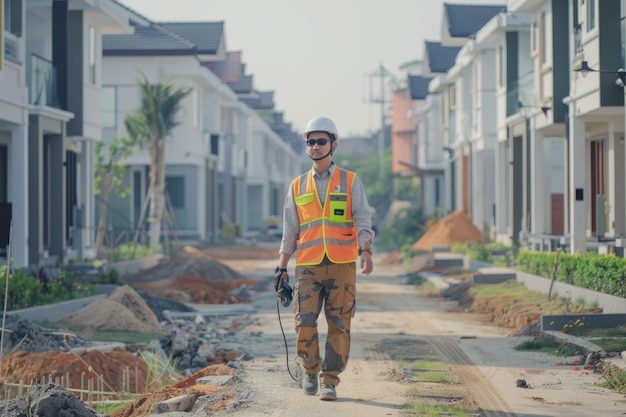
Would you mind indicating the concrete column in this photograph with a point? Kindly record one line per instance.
(615, 176)
(538, 182)
(201, 200)
(501, 197)
(18, 190)
(35, 190)
(578, 172)
(57, 193)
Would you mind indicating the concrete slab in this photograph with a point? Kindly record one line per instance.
(216, 380)
(180, 403)
(448, 260)
(493, 275)
(557, 322)
(440, 249)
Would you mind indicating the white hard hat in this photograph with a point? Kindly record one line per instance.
(321, 124)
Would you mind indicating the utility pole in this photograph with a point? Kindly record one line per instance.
(381, 73)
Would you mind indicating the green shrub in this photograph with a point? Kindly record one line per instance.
(26, 291)
(602, 273)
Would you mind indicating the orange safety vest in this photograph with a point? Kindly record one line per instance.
(327, 230)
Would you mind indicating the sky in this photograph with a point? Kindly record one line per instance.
(318, 57)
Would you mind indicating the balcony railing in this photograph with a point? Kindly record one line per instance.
(12, 51)
(42, 82)
(521, 91)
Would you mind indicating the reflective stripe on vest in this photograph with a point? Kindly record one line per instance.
(327, 230)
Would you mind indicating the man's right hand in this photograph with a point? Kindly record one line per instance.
(280, 275)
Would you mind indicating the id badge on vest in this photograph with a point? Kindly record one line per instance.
(338, 207)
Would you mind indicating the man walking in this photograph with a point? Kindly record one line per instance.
(327, 224)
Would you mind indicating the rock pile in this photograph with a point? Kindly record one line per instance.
(47, 401)
(24, 335)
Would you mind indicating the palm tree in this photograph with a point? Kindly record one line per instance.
(149, 127)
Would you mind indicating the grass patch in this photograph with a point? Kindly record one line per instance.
(609, 344)
(428, 365)
(614, 378)
(415, 279)
(548, 345)
(435, 410)
(434, 376)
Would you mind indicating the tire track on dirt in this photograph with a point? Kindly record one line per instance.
(486, 395)
(483, 392)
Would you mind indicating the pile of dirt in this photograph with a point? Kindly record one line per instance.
(199, 290)
(24, 335)
(124, 309)
(454, 228)
(92, 369)
(189, 261)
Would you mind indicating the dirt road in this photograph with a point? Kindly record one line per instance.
(395, 333)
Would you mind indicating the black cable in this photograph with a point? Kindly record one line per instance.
(286, 345)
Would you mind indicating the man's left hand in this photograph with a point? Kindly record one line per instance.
(367, 264)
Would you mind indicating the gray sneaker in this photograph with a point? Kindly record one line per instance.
(327, 392)
(309, 383)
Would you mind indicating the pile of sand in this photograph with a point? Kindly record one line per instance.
(189, 261)
(454, 228)
(123, 309)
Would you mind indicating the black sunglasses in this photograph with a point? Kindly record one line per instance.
(312, 142)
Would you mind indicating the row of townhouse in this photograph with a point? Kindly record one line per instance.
(523, 129)
(68, 78)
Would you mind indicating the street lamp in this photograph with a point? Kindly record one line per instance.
(584, 69)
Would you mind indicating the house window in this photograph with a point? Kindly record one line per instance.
(13, 17)
(500, 66)
(543, 42)
(623, 32)
(452, 97)
(92, 54)
(215, 142)
(175, 189)
(591, 15)
(4, 174)
(196, 107)
(109, 107)
(534, 36)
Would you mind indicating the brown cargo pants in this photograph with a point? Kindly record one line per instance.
(334, 287)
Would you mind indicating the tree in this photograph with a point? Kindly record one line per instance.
(149, 127)
(109, 174)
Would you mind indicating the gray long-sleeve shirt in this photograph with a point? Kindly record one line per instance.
(361, 213)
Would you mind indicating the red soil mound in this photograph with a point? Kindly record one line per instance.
(454, 228)
(74, 371)
(198, 290)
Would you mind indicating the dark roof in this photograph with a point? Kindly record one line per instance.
(207, 36)
(243, 85)
(167, 39)
(418, 86)
(266, 100)
(147, 40)
(440, 58)
(466, 19)
(230, 70)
